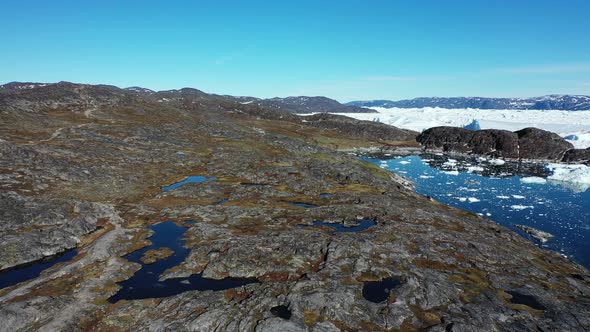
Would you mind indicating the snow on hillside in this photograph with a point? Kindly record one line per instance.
(572, 125)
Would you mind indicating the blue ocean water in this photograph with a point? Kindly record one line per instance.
(559, 208)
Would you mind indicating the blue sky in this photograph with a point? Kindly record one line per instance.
(346, 49)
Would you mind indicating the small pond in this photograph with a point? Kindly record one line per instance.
(378, 291)
(341, 228)
(531, 301)
(26, 272)
(188, 179)
(145, 283)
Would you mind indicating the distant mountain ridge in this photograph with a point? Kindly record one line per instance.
(551, 102)
(304, 104)
(297, 105)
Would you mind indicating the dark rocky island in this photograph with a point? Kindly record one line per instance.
(528, 144)
(283, 231)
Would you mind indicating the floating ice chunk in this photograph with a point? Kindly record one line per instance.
(521, 207)
(533, 179)
(473, 169)
(503, 197)
(518, 197)
(426, 177)
(452, 173)
(461, 199)
(473, 200)
(576, 173)
(497, 162)
(404, 162)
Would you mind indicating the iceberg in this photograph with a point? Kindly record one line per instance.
(474, 125)
(570, 174)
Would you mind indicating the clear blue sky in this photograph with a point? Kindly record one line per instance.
(345, 49)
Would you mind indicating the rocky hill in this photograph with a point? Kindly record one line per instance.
(553, 102)
(528, 143)
(254, 219)
(304, 105)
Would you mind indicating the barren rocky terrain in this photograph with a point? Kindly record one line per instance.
(82, 167)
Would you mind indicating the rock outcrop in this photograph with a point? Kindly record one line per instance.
(540, 144)
(580, 156)
(496, 143)
(350, 127)
(528, 143)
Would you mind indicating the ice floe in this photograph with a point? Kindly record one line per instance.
(575, 177)
(497, 162)
(521, 207)
(533, 179)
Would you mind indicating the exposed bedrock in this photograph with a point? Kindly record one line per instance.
(528, 143)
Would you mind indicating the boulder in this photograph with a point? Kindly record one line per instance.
(541, 144)
(579, 156)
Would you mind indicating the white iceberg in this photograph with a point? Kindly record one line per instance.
(473, 169)
(497, 162)
(576, 174)
(521, 207)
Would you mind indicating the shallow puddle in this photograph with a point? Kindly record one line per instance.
(281, 311)
(341, 228)
(303, 205)
(378, 291)
(188, 179)
(528, 300)
(26, 272)
(145, 284)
